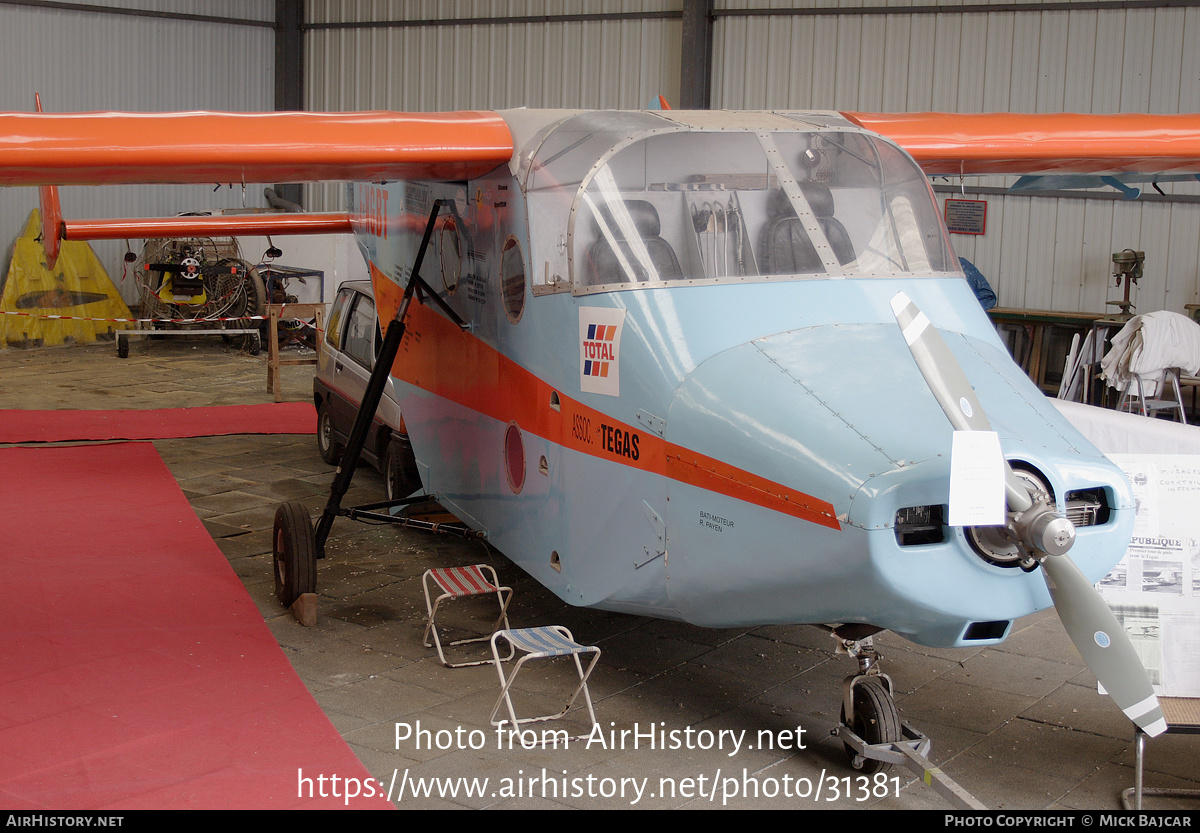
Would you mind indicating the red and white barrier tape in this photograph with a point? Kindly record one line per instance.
(154, 320)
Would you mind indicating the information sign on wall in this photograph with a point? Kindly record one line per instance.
(966, 216)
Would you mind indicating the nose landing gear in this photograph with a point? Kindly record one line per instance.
(875, 737)
(868, 707)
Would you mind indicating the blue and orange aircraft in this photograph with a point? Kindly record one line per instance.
(706, 366)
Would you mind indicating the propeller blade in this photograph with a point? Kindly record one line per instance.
(939, 367)
(1103, 643)
(949, 384)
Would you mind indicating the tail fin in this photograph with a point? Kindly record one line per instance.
(51, 212)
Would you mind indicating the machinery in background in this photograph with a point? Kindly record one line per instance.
(198, 286)
(1127, 269)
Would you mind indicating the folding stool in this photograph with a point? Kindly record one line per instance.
(548, 641)
(461, 583)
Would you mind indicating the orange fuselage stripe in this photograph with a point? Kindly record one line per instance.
(438, 357)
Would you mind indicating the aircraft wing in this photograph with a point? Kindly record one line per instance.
(105, 148)
(50, 149)
(1025, 143)
(108, 148)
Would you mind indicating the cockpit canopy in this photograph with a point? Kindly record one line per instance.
(658, 199)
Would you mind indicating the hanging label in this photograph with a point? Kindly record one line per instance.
(976, 479)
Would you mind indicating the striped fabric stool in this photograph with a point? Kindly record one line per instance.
(548, 641)
(462, 583)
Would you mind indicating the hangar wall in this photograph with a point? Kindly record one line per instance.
(1099, 58)
(611, 54)
(82, 60)
(608, 55)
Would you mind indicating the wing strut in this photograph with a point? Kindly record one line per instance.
(379, 377)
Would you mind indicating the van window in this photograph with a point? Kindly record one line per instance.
(360, 331)
(337, 317)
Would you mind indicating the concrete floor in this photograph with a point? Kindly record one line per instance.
(1019, 725)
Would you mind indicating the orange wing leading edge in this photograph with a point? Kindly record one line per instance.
(1029, 143)
(49, 149)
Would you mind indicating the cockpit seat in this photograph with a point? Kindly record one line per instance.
(820, 199)
(789, 250)
(647, 258)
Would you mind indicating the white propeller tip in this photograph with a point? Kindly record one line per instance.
(1156, 728)
(1148, 716)
(899, 302)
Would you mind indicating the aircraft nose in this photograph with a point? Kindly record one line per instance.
(810, 415)
(821, 409)
(840, 414)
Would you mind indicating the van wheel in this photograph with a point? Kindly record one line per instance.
(331, 450)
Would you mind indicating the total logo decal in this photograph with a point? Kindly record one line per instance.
(600, 350)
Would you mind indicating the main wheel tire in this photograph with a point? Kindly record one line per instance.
(875, 721)
(295, 553)
(400, 468)
(330, 449)
(122, 346)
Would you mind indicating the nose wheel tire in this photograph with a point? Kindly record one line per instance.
(295, 553)
(875, 721)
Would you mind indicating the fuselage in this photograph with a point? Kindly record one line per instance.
(683, 392)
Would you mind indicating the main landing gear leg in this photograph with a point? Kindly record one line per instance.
(298, 544)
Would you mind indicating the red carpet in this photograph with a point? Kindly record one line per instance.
(135, 671)
(17, 426)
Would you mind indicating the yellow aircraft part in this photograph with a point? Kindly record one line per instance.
(166, 294)
(77, 286)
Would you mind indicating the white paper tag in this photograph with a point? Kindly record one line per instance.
(976, 479)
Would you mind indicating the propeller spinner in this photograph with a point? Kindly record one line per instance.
(1038, 533)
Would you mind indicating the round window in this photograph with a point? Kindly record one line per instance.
(514, 457)
(512, 279)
